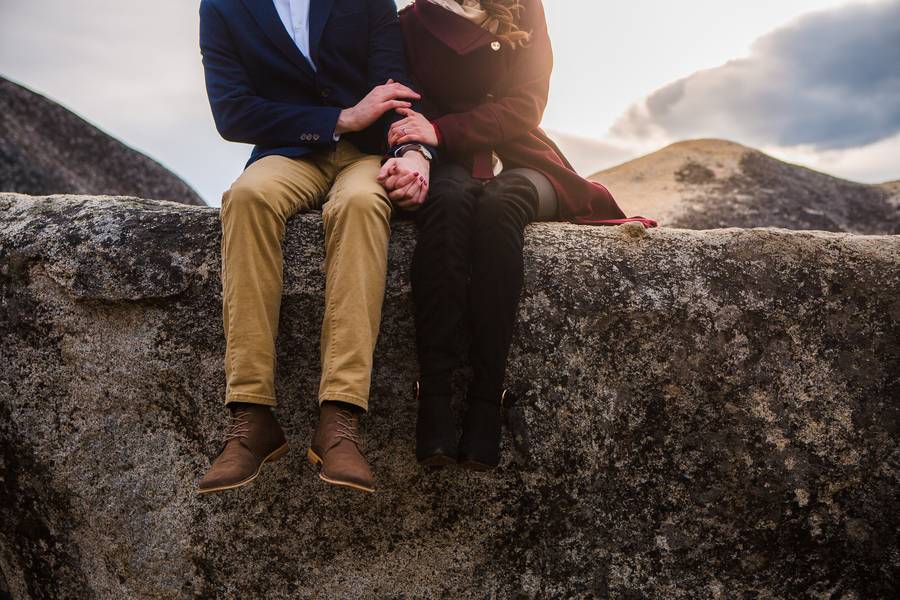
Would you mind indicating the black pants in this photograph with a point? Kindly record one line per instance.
(467, 273)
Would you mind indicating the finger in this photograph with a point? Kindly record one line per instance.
(410, 190)
(402, 122)
(387, 168)
(390, 104)
(405, 179)
(396, 91)
(403, 91)
(408, 138)
(423, 194)
(407, 112)
(423, 190)
(397, 181)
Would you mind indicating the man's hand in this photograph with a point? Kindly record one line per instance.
(406, 180)
(414, 128)
(377, 102)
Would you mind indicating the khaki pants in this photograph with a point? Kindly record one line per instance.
(356, 213)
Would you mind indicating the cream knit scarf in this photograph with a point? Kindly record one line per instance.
(471, 10)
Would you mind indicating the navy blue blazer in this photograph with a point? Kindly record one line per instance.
(264, 92)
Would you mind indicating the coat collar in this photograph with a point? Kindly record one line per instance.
(267, 18)
(458, 33)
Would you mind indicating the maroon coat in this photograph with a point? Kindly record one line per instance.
(482, 96)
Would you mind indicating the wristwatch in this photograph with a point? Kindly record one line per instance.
(423, 150)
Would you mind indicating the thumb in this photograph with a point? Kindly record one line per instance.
(385, 170)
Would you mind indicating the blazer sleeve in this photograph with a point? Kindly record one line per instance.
(518, 106)
(387, 58)
(239, 113)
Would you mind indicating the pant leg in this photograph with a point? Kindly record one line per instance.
(547, 207)
(440, 273)
(254, 213)
(357, 217)
(509, 202)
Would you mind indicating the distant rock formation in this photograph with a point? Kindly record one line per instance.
(46, 149)
(706, 184)
(713, 415)
(893, 188)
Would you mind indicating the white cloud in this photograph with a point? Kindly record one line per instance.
(829, 81)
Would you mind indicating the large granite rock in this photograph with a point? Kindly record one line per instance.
(47, 149)
(713, 414)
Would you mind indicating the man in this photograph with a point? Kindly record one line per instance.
(313, 85)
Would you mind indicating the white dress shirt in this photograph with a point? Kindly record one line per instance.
(295, 16)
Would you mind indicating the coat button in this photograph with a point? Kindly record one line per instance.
(495, 46)
(325, 92)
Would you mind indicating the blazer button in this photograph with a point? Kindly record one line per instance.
(495, 46)
(324, 92)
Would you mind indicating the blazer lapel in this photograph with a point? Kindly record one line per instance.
(458, 33)
(267, 18)
(318, 16)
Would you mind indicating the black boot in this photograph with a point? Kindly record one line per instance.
(435, 427)
(479, 446)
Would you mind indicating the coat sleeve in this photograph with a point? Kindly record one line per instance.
(387, 58)
(239, 113)
(518, 107)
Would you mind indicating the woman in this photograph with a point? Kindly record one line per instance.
(483, 68)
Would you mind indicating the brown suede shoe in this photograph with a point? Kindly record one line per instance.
(335, 449)
(254, 437)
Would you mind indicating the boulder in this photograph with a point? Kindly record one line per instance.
(712, 414)
(704, 184)
(47, 149)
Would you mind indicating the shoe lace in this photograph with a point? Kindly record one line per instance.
(346, 427)
(238, 426)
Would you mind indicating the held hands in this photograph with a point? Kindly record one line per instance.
(380, 100)
(406, 180)
(414, 128)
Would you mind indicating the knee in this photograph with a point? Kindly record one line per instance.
(365, 205)
(246, 196)
(448, 200)
(499, 211)
(510, 200)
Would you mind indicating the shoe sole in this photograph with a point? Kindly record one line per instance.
(272, 457)
(316, 461)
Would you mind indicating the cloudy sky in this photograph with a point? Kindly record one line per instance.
(811, 81)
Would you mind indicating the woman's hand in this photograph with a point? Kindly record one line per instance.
(406, 180)
(414, 128)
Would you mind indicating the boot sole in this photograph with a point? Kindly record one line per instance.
(272, 457)
(438, 460)
(316, 461)
(474, 465)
